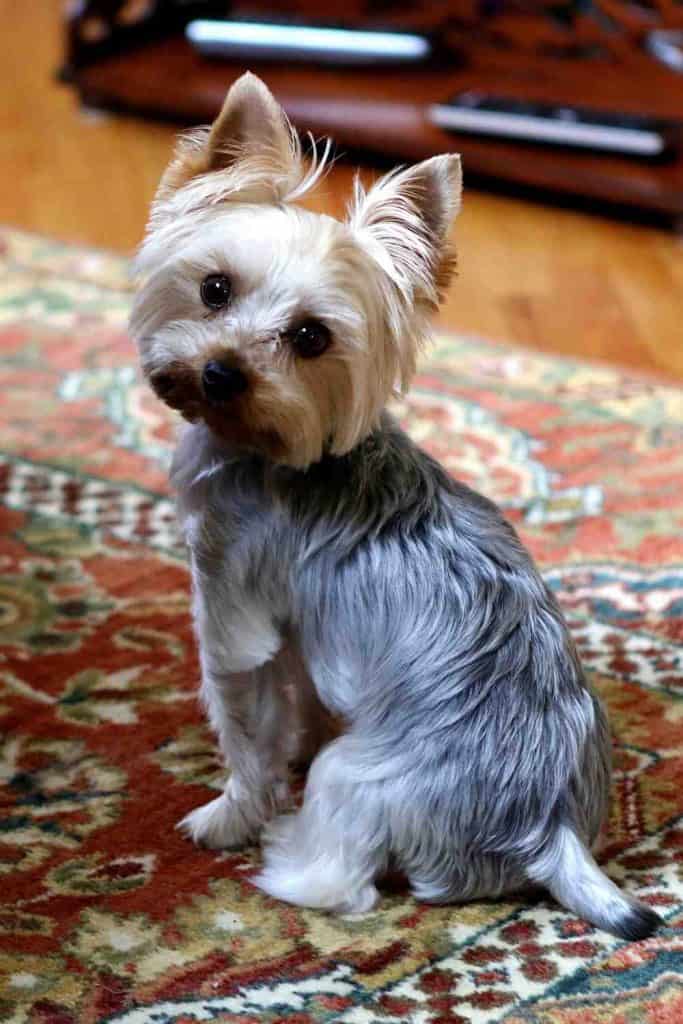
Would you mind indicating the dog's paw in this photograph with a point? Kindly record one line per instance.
(235, 818)
(316, 876)
(222, 823)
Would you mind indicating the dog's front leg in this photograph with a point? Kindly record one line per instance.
(243, 695)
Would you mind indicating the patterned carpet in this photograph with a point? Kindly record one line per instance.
(108, 914)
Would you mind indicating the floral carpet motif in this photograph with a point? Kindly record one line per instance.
(106, 912)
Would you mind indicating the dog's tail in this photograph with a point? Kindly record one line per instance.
(569, 871)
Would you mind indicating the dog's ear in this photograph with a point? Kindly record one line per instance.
(404, 221)
(251, 121)
(251, 124)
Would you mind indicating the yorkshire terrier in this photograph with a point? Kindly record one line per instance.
(337, 569)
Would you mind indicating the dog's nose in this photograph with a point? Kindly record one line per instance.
(221, 382)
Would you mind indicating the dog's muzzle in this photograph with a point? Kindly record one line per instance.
(221, 382)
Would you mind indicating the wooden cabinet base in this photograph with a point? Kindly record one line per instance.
(384, 113)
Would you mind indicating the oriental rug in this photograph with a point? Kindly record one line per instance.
(107, 913)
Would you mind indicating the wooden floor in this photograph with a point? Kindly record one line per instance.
(546, 278)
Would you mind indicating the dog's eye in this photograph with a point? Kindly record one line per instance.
(216, 291)
(310, 339)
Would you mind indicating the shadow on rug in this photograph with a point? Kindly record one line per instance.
(107, 912)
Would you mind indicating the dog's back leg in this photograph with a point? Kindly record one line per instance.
(329, 853)
(569, 871)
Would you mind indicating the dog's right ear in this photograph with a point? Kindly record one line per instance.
(251, 125)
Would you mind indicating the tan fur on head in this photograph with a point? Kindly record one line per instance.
(226, 205)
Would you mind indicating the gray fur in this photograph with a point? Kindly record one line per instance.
(475, 755)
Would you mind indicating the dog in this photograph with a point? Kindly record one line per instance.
(337, 569)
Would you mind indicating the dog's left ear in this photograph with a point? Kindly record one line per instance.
(251, 126)
(404, 220)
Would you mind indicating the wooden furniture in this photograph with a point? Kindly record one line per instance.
(553, 279)
(131, 55)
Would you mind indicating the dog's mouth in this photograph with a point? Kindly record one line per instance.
(237, 422)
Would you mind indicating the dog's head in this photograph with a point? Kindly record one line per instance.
(284, 330)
